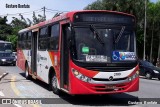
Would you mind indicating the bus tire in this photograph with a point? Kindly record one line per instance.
(27, 73)
(54, 85)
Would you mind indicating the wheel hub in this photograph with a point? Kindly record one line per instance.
(54, 82)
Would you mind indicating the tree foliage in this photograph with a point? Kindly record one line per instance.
(136, 7)
(5, 29)
(9, 32)
(38, 19)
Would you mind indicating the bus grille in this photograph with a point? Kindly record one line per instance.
(109, 69)
(105, 89)
(116, 79)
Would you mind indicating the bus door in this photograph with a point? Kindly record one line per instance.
(64, 57)
(34, 54)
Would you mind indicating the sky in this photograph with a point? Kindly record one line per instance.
(61, 5)
(154, 0)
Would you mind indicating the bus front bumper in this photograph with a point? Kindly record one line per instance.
(80, 87)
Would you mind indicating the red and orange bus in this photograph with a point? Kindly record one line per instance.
(82, 52)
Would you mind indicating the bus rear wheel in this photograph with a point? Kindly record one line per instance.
(27, 73)
(54, 84)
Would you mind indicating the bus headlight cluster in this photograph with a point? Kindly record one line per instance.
(133, 76)
(80, 76)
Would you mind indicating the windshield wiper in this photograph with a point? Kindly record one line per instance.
(120, 34)
(92, 27)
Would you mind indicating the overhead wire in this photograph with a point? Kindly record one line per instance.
(23, 13)
(56, 10)
(36, 11)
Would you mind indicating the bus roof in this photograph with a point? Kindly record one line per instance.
(68, 15)
(1, 41)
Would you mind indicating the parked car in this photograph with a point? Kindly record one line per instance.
(7, 58)
(148, 70)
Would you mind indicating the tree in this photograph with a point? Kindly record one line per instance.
(151, 13)
(38, 19)
(13, 39)
(5, 29)
(17, 25)
(135, 7)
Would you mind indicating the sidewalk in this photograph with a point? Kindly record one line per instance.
(2, 74)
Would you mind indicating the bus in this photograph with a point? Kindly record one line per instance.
(82, 52)
(6, 55)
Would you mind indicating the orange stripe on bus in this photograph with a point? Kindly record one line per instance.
(52, 57)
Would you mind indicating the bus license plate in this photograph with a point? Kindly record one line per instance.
(110, 87)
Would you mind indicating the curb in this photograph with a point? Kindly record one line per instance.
(3, 75)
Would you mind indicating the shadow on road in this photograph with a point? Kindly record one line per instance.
(154, 79)
(38, 82)
(89, 100)
(100, 100)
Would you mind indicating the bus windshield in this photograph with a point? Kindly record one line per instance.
(91, 46)
(6, 47)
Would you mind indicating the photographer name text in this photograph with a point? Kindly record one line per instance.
(17, 6)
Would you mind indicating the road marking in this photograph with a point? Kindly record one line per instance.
(35, 105)
(17, 92)
(17, 105)
(3, 75)
(13, 86)
(1, 93)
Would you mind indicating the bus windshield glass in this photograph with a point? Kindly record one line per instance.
(6, 47)
(91, 46)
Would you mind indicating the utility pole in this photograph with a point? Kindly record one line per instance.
(159, 49)
(145, 23)
(44, 13)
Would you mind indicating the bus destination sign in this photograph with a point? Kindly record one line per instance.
(111, 18)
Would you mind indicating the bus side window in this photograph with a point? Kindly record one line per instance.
(22, 40)
(25, 40)
(29, 40)
(54, 37)
(19, 40)
(43, 43)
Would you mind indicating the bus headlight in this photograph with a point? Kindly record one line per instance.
(130, 79)
(3, 60)
(133, 76)
(80, 76)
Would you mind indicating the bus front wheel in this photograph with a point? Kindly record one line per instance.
(54, 84)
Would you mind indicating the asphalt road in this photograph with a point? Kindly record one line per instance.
(14, 85)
